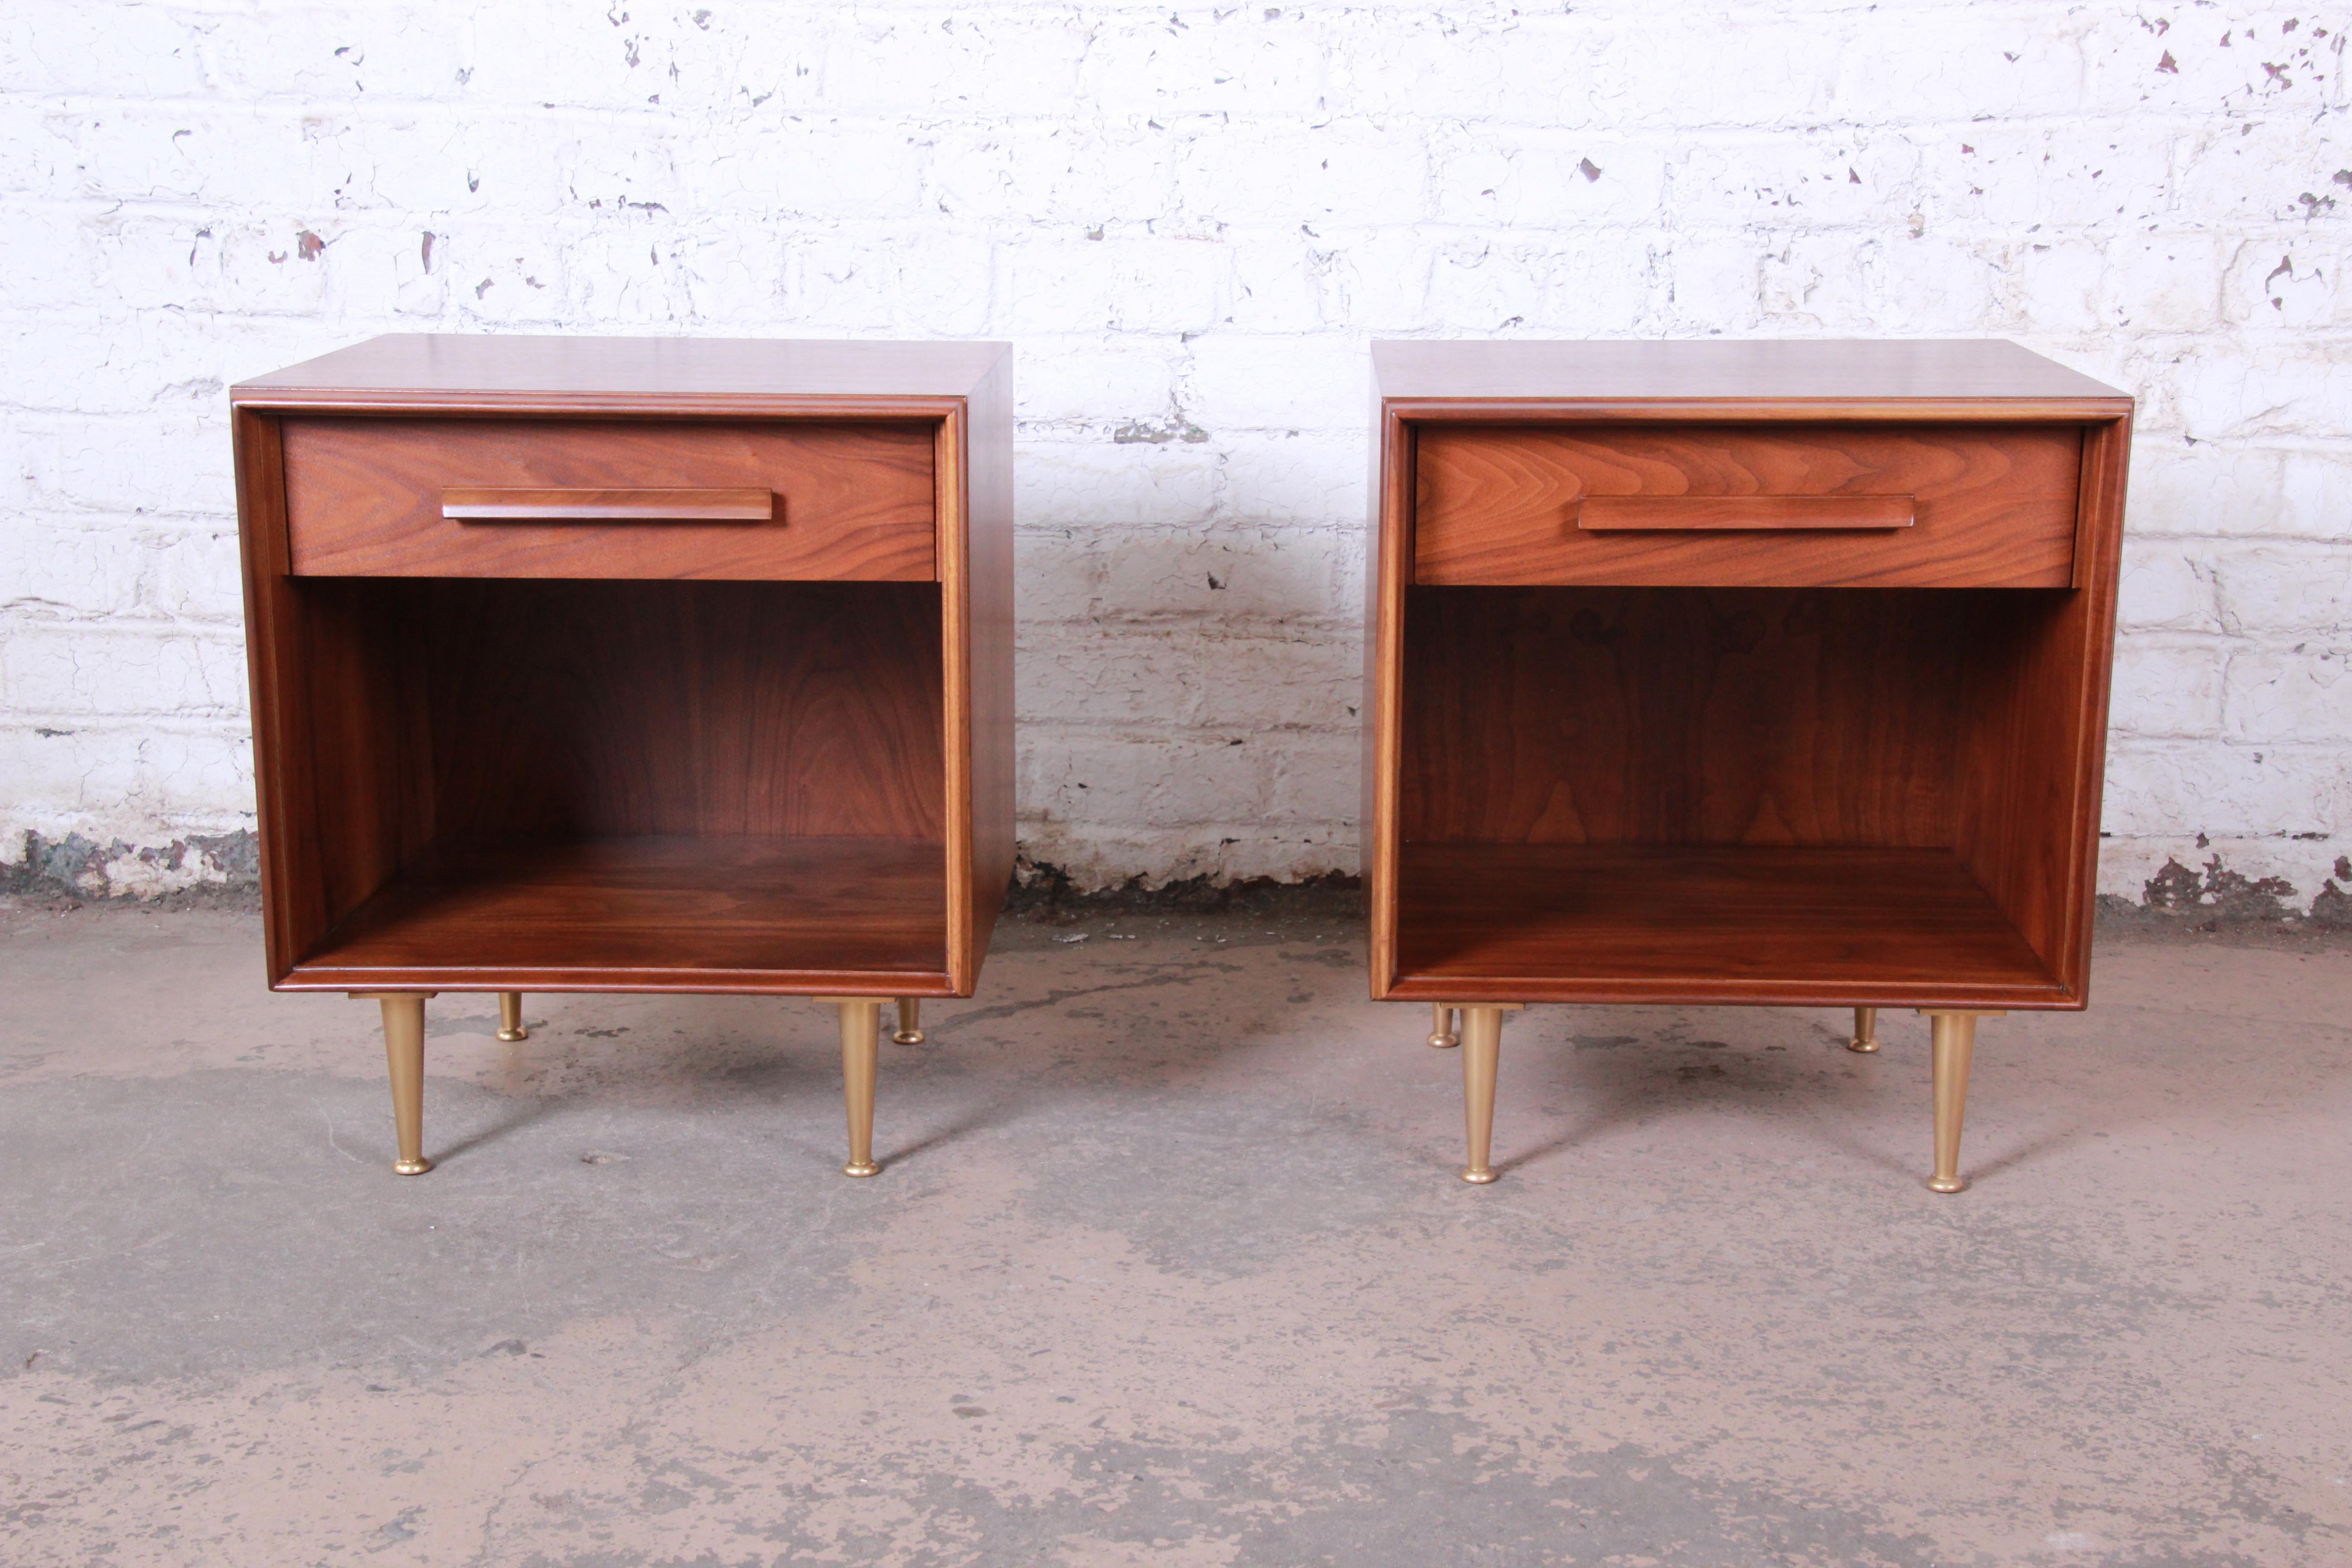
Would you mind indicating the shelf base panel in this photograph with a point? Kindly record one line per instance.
(805, 916)
(1707, 925)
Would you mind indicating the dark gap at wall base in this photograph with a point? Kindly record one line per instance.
(1042, 891)
(56, 872)
(2179, 901)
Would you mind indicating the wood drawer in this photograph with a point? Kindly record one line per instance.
(1794, 505)
(739, 500)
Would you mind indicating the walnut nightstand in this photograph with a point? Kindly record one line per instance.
(1768, 673)
(609, 664)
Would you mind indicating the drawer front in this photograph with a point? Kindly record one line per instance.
(552, 498)
(1748, 505)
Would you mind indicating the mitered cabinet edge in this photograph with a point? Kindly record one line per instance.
(2106, 422)
(973, 475)
(2098, 567)
(1387, 574)
(263, 550)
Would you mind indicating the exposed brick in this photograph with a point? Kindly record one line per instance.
(2294, 696)
(2291, 588)
(1191, 218)
(2166, 587)
(2167, 687)
(1273, 383)
(2154, 787)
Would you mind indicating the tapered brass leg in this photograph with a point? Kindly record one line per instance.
(1481, 1055)
(510, 1026)
(1865, 1030)
(1955, 1040)
(404, 1054)
(861, 1032)
(910, 1022)
(1441, 1033)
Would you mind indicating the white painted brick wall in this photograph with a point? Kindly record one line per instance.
(1191, 219)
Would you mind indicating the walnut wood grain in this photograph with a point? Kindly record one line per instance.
(802, 915)
(1693, 924)
(1387, 581)
(2033, 757)
(483, 713)
(1557, 765)
(284, 780)
(537, 741)
(631, 376)
(365, 497)
(1994, 505)
(985, 638)
(726, 709)
(1882, 378)
(1761, 716)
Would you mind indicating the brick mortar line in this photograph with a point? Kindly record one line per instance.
(2316, 93)
(2313, 751)
(2153, 342)
(177, 721)
(401, 221)
(716, 222)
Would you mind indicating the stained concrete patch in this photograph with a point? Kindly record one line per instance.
(1426, 1490)
(1164, 1266)
(177, 1261)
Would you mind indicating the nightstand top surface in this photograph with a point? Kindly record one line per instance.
(438, 366)
(1716, 369)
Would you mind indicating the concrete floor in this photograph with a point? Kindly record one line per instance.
(1168, 1263)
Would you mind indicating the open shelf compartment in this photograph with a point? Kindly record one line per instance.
(532, 785)
(1814, 796)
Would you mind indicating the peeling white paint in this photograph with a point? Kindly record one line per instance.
(1191, 219)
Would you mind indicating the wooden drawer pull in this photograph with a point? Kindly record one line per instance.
(1624, 514)
(609, 506)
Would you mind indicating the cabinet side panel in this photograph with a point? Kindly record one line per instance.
(341, 758)
(988, 453)
(1387, 572)
(293, 908)
(952, 551)
(2034, 759)
(2106, 465)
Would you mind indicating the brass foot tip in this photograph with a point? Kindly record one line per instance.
(1444, 1042)
(511, 1035)
(907, 1038)
(1944, 1184)
(1479, 1175)
(1866, 1046)
(861, 1168)
(412, 1167)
